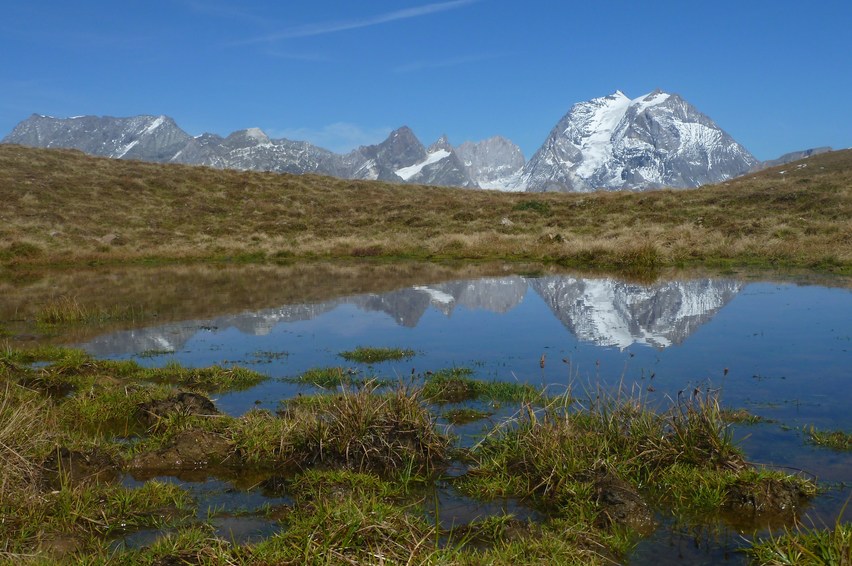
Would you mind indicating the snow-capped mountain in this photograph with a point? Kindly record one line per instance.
(611, 143)
(614, 142)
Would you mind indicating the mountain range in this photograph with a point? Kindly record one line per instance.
(611, 143)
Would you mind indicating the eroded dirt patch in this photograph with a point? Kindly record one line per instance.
(189, 450)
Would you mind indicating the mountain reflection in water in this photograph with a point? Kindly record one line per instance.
(606, 312)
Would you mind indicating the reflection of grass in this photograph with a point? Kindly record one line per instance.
(836, 439)
(464, 415)
(155, 353)
(366, 355)
(67, 310)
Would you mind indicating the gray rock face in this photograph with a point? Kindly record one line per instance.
(792, 156)
(253, 150)
(443, 167)
(152, 138)
(614, 143)
(494, 163)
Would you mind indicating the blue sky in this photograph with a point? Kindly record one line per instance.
(777, 75)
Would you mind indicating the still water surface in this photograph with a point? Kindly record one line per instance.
(782, 351)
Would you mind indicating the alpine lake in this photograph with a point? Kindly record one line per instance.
(777, 347)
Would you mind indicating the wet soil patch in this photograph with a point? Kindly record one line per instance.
(184, 403)
(79, 467)
(769, 496)
(189, 450)
(620, 504)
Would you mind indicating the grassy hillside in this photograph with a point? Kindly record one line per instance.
(64, 207)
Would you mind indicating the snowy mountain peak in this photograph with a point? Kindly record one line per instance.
(257, 134)
(615, 142)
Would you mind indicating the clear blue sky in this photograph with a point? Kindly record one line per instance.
(777, 75)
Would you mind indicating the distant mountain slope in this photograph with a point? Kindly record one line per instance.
(614, 143)
(792, 156)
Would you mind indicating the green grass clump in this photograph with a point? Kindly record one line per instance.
(155, 353)
(456, 386)
(805, 547)
(740, 416)
(194, 544)
(348, 518)
(327, 377)
(836, 439)
(366, 355)
(686, 455)
(89, 514)
(364, 431)
(213, 379)
(534, 205)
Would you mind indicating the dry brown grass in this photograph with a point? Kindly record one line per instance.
(61, 206)
(23, 437)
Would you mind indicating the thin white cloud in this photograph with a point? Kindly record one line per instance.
(323, 28)
(339, 137)
(293, 56)
(226, 11)
(443, 63)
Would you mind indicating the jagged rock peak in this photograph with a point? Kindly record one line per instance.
(441, 143)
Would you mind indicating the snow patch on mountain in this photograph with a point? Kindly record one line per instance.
(407, 173)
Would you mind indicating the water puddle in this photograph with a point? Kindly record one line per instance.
(782, 350)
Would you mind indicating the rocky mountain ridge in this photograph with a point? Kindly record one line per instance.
(610, 143)
(400, 158)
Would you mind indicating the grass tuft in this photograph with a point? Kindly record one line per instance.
(366, 355)
(836, 439)
(327, 377)
(456, 385)
(806, 547)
